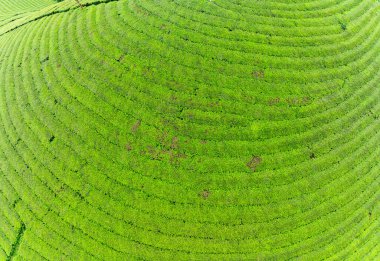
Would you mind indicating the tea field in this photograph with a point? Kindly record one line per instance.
(189, 130)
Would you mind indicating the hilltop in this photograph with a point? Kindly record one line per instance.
(189, 130)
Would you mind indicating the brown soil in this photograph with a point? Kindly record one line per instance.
(136, 126)
(254, 162)
(258, 74)
(205, 193)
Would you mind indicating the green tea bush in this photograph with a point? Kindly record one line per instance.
(205, 130)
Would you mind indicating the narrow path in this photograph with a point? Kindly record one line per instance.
(16, 244)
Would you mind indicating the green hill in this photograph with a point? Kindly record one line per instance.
(189, 130)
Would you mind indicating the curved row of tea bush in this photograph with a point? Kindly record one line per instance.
(191, 130)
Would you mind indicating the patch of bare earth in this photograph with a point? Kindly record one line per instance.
(254, 163)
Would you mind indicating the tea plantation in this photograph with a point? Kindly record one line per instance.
(189, 130)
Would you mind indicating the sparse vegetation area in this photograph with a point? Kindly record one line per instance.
(189, 130)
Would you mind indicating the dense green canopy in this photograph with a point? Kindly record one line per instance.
(189, 130)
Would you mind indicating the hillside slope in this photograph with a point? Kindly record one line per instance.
(14, 10)
(201, 130)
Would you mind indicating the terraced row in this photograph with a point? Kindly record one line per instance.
(126, 129)
(12, 11)
(14, 7)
